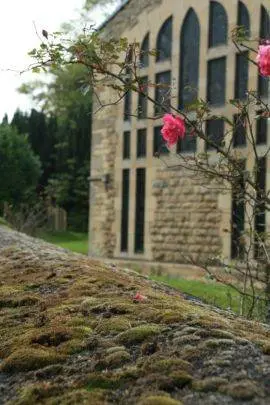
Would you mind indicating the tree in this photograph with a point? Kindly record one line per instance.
(19, 166)
(20, 121)
(5, 120)
(41, 133)
(61, 135)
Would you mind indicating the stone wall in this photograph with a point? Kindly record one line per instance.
(186, 219)
(102, 195)
(102, 238)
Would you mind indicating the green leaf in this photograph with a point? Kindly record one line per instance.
(36, 70)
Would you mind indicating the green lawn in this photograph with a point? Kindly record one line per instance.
(3, 221)
(75, 241)
(212, 293)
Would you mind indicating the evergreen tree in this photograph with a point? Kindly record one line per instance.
(19, 166)
(5, 120)
(61, 136)
(20, 121)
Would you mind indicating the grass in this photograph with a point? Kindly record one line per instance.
(75, 241)
(3, 221)
(212, 293)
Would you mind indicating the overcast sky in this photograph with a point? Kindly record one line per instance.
(18, 36)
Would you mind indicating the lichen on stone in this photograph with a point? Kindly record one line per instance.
(71, 333)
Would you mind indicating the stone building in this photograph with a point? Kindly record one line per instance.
(145, 208)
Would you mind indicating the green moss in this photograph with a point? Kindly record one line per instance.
(7, 290)
(192, 353)
(215, 343)
(67, 340)
(112, 326)
(84, 288)
(102, 381)
(136, 364)
(266, 348)
(114, 360)
(208, 322)
(242, 390)
(114, 349)
(129, 373)
(188, 330)
(215, 333)
(138, 334)
(168, 317)
(164, 365)
(180, 378)
(35, 393)
(88, 304)
(114, 308)
(25, 300)
(159, 400)
(73, 346)
(30, 359)
(181, 340)
(209, 384)
(52, 336)
(82, 396)
(77, 321)
(82, 331)
(62, 310)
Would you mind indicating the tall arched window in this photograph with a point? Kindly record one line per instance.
(164, 41)
(189, 59)
(264, 34)
(144, 56)
(243, 17)
(218, 25)
(265, 24)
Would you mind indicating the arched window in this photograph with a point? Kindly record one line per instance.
(189, 59)
(144, 56)
(164, 41)
(128, 95)
(264, 34)
(243, 17)
(265, 24)
(218, 25)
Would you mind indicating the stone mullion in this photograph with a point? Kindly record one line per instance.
(132, 181)
(202, 93)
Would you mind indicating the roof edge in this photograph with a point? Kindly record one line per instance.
(111, 17)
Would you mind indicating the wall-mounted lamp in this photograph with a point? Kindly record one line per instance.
(106, 179)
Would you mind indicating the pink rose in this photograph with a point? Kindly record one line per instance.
(173, 129)
(263, 60)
